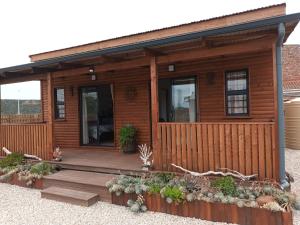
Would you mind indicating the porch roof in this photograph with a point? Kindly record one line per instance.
(73, 61)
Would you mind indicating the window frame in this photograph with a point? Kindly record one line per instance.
(237, 92)
(56, 113)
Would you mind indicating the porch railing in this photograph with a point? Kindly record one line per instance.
(25, 118)
(247, 147)
(25, 138)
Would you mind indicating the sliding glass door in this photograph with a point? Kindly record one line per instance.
(97, 122)
(177, 100)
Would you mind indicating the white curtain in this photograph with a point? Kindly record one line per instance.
(85, 131)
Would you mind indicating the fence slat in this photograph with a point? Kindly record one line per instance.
(25, 138)
(246, 147)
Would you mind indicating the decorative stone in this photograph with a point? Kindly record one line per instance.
(262, 200)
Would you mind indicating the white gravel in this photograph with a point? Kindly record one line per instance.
(23, 206)
(292, 162)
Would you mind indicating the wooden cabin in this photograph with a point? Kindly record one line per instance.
(205, 95)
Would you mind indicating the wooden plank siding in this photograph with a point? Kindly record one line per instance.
(25, 138)
(128, 108)
(240, 159)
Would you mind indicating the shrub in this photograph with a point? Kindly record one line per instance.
(165, 177)
(12, 160)
(173, 194)
(154, 188)
(42, 168)
(127, 135)
(226, 185)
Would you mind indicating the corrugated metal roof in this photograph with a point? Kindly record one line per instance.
(166, 28)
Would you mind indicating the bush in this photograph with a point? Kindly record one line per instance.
(173, 194)
(127, 135)
(42, 168)
(226, 185)
(154, 188)
(12, 160)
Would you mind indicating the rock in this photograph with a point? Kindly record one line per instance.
(262, 200)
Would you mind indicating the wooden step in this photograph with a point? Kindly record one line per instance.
(81, 181)
(70, 196)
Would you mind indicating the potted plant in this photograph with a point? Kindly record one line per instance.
(127, 139)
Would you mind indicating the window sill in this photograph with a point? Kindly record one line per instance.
(60, 120)
(238, 117)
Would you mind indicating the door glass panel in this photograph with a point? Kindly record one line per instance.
(183, 100)
(97, 127)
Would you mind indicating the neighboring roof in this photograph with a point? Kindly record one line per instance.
(291, 67)
(261, 24)
(212, 23)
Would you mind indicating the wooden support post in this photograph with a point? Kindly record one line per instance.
(154, 110)
(50, 115)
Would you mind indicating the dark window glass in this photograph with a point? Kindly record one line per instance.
(59, 98)
(237, 97)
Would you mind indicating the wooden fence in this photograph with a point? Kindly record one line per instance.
(249, 148)
(24, 118)
(26, 138)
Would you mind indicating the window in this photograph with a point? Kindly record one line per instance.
(237, 97)
(59, 101)
(177, 100)
(21, 102)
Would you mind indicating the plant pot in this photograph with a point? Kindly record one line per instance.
(129, 148)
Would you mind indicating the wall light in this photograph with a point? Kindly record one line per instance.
(171, 68)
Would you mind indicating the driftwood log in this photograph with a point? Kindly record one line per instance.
(232, 173)
(8, 152)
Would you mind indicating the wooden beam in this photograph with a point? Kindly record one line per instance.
(111, 59)
(64, 65)
(201, 53)
(105, 67)
(154, 109)
(152, 52)
(50, 106)
(251, 46)
(9, 80)
(42, 70)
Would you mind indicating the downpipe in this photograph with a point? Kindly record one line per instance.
(282, 175)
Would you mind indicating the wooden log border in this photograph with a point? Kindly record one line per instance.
(212, 211)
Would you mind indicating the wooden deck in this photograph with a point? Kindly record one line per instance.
(104, 161)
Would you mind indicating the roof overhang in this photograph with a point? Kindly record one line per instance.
(44, 66)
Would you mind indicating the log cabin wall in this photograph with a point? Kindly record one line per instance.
(210, 101)
(211, 97)
(128, 108)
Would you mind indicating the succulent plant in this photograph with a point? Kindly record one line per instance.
(267, 189)
(273, 206)
(169, 200)
(296, 203)
(240, 203)
(130, 202)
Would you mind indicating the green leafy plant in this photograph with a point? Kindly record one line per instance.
(225, 184)
(42, 168)
(154, 188)
(165, 177)
(173, 194)
(12, 160)
(127, 135)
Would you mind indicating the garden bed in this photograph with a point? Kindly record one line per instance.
(14, 180)
(212, 211)
(15, 169)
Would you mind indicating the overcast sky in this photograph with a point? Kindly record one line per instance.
(34, 26)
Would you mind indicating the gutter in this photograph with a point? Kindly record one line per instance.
(281, 136)
(158, 42)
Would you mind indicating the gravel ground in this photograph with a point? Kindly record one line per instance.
(293, 167)
(23, 206)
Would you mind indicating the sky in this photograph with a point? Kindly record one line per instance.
(35, 26)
